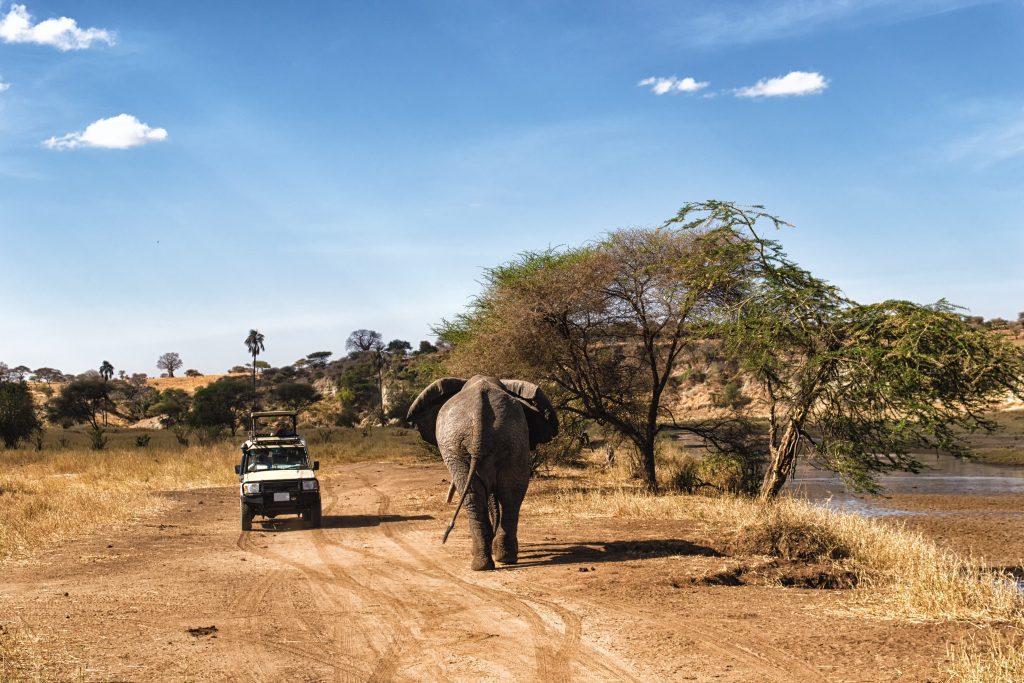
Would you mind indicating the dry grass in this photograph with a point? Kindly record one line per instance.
(900, 573)
(50, 496)
(993, 658)
(47, 497)
(55, 494)
(19, 660)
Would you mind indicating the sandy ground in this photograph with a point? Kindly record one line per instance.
(987, 526)
(373, 596)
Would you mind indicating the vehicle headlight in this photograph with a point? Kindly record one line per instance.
(251, 489)
(310, 485)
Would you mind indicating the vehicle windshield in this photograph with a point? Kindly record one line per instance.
(283, 458)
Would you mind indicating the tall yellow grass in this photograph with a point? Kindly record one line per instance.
(901, 574)
(55, 494)
(994, 657)
(48, 497)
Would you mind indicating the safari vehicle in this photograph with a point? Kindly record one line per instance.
(276, 476)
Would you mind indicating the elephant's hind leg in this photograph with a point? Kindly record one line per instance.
(506, 539)
(480, 529)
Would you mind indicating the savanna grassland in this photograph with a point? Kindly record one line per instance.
(136, 548)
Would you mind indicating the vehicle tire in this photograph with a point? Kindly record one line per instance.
(247, 515)
(314, 516)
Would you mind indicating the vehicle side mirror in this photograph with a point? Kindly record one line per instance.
(238, 469)
(316, 464)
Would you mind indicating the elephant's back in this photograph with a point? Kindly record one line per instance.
(482, 418)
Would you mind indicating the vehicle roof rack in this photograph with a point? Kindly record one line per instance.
(274, 413)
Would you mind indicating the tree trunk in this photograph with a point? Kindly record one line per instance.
(783, 459)
(647, 461)
(380, 393)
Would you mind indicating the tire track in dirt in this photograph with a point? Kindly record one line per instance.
(401, 641)
(325, 585)
(552, 662)
(250, 656)
(333, 585)
(762, 658)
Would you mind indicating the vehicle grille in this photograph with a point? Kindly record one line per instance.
(273, 486)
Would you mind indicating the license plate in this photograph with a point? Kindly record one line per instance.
(282, 497)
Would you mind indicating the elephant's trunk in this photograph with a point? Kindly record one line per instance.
(462, 498)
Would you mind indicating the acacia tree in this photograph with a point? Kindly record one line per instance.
(82, 400)
(855, 387)
(170, 362)
(606, 325)
(318, 359)
(296, 395)
(18, 420)
(220, 404)
(47, 375)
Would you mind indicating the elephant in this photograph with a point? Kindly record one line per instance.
(485, 429)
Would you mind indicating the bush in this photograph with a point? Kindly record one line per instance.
(722, 473)
(565, 448)
(142, 441)
(97, 439)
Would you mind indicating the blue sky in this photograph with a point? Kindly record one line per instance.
(313, 168)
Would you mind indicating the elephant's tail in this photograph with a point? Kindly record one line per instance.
(462, 499)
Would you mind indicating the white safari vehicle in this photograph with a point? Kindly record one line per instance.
(276, 476)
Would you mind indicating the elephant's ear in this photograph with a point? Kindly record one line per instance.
(423, 411)
(540, 414)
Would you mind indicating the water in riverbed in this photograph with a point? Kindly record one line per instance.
(944, 475)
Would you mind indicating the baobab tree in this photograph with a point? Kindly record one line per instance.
(170, 362)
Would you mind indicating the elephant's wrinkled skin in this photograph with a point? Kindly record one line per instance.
(496, 422)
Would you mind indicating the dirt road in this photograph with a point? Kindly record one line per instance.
(373, 596)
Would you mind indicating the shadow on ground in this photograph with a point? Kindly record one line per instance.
(592, 552)
(333, 522)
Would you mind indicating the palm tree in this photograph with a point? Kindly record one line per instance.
(106, 372)
(380, 358)
(254, 342)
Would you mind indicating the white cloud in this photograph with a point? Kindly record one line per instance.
(117, 132)
(660, 86)
(793, 83)
(996, 143)
(751, 22)
(62, 33)
(4, 86)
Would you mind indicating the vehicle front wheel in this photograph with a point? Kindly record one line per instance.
(313, 516)
(247, 515)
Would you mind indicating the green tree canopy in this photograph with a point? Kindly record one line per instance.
(222, 403)
(399, 347)
(318, 359)
(172, 407)
(18, 419)
(296, 395)
(855, 387)
(605, 325)
(80, 401)
(47, 375)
